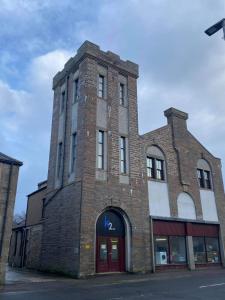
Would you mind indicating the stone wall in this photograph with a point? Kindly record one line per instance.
(72, 210)
(182, 152)
(8, 185)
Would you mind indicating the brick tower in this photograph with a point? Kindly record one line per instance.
(96, 216)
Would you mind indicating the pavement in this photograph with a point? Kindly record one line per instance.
(199, 285)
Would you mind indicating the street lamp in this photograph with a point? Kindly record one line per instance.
(214, 28)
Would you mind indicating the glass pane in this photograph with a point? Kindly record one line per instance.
(161, 250)
(121, 142)
(100, 162)
(199, 250)
(100, 79)
(149, 162)
(200, 178)
(158, 174)
(122, 154)
(206, 175)
(100, 150)
(114, 249)
(158, 164)
(207, 179)
(177, 250)
(122, 166)
(103, 251)
(212, 248)
(121, 94)
(100, 137)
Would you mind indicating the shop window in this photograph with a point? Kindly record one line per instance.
(212, 249)
(161, 250)
(206, 250)
(170, 250)
(199, 250)
(177, 249)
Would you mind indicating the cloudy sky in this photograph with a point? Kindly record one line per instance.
(179, 66)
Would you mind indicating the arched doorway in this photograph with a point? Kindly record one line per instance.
(110, 243)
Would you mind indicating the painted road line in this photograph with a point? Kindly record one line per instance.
(212, 285)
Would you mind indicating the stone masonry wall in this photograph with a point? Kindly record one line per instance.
(182, 152)
(68, 243)
(5, 231)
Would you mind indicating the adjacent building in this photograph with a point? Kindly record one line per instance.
(26, 238)
(115, 200)
(9, 169)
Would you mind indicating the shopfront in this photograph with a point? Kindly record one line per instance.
(110, 243)
(171, 244)
(205, 243)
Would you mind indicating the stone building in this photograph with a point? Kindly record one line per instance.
(25, 244)
(116, 201)
(9, 170)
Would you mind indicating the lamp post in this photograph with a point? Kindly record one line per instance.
(216, 27)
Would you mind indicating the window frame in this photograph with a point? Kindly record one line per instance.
(101, 86)
(73, 152)
(100, 149)
(75, 90)
(153, 171)
(122, 94)
(206, 252)
(168, 239)
(123, 155)
(204, 181)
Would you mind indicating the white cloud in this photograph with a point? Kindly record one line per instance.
(25, 118)
(179, 65)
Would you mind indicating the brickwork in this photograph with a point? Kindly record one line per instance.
(182, 152)
(71, 212)
(33, 247)
(72, 207)
(9, 169)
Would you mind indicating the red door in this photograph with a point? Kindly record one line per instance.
(110, 254)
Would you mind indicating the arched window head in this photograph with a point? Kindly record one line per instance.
(186, 207)
(204, 174)
(155, 163)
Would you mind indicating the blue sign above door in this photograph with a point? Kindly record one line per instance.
(110, 224)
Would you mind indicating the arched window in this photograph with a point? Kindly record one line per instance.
(186, 207)
(155, 163)
(204, 174)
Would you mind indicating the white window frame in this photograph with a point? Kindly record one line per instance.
(123, 155)
(100, 149)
